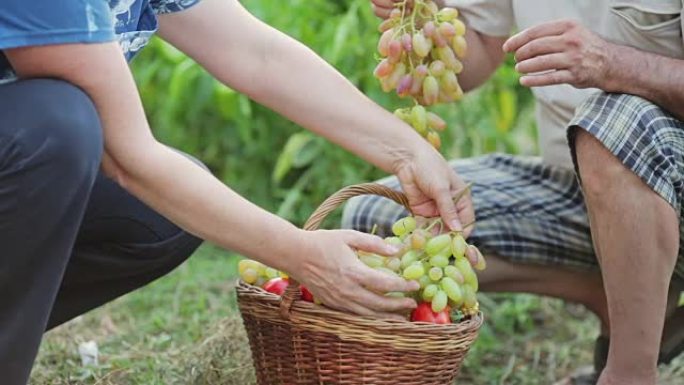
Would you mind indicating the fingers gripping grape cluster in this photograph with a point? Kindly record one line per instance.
(444, 265)
(420, 48)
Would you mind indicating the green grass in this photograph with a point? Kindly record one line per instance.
(184, 329)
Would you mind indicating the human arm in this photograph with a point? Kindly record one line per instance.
(195, 200)
(566, 52)
(285, 75)
(484, 51)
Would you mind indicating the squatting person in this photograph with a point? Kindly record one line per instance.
(596, 219)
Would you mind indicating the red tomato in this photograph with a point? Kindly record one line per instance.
(306, 294)
(424, 313)
(277, 285)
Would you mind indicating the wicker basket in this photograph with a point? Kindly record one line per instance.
(295, 342)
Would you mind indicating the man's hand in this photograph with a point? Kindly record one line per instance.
(329, 268)
(561, 52)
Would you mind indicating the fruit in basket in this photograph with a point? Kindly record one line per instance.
(421, 47)
(306, 294)
(277, 285)
(444, 264)
(423, 313)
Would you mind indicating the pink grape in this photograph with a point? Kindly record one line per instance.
(429, 29)
(437, 68)
(384, 68)
(404, 86)
(383, 43)
(435, 122)
(395, 51)
(439, 40)
(406, 42)
(447, 30)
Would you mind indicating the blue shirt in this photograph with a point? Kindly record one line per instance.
(41, 22)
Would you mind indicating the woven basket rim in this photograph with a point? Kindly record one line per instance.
(305, 307)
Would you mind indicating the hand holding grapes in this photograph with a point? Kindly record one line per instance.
(561, 52)
(430, 185)
(330, 269)
(382, 8)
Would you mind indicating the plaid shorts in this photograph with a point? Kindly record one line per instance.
(530, 212)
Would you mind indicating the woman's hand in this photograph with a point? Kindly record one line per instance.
(329, 268)
(431, 185)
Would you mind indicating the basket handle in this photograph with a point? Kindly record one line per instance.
(292, 292)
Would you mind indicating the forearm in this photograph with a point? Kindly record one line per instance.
(657, 78)
(162, 178)
(296, 83)
(199, 203)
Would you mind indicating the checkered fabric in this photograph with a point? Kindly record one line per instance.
(529, 212)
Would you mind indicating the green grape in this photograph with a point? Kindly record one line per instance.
(458, 246)
(270, 273)
(414, 272)
(469, 276)
(421, 44)
(460, 46)
(403, 226)
(250, 276)
(430, 90)
(434, 139)
(429, 292)
(447, 14)
(439, 301)
(469, 297)
(424, 281)
(460, 27)
(437, 244)
(371, 260)
(393, 264)
(439, 260)
(394, 241)
(409, 258)
(452, 272)
(245, 264)
(452, 290)
(419, 119)
(419, 239)
(436, 273)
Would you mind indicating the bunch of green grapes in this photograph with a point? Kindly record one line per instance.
(420, 48)
(256, 273)
(444, 264)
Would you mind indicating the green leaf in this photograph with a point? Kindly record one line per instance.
(286, 159)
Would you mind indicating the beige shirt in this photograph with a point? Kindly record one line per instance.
(650, 25)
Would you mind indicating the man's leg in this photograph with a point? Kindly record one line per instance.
(50, 148)
(122, 245)
(531, 225)
(628, 143)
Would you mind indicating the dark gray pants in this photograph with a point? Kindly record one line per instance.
(70, 238)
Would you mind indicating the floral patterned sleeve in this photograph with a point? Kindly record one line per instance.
(169, 6)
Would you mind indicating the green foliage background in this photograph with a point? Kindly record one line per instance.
(277, 164)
